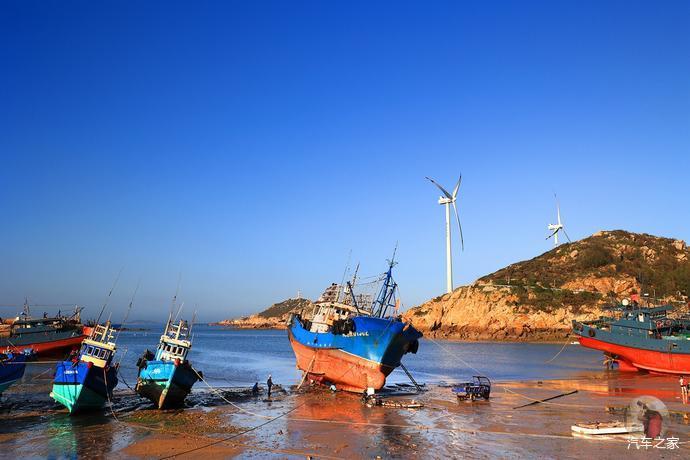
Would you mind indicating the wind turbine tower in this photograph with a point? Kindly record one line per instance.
(555, 228)
(448, 200)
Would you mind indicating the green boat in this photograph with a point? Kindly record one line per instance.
(86, 381)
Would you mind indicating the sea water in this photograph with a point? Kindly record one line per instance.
(241, 357)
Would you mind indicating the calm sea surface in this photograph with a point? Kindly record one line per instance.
(231, 357)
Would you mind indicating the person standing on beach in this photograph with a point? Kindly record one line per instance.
(683, 388)
(269, 384)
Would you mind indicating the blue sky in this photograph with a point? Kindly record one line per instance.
(251, 145)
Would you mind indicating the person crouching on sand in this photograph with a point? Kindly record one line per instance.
(651, 420)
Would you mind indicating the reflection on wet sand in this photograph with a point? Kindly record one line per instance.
(80, 437)
(343, 422)
(339, 425)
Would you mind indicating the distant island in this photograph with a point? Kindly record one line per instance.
(274, 317)
(535, 300)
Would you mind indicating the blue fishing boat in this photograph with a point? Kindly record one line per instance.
(86, 381)
(351, 345)
(167, 377)
(12, 366)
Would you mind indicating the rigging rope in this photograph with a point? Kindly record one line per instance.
(234, 435)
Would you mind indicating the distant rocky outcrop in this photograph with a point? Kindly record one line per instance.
(274, 317)
(535, 300)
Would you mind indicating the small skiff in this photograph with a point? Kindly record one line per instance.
(595, 428)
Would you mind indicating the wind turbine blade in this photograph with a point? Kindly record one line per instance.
(551, 235)
(457, 186)
(462, 241)
(566, 234)
(445, 192)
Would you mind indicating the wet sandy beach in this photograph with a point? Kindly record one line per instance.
(318, 423)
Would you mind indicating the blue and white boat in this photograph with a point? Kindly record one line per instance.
(86, 381)
(351, 346)
(12, 367)
(167, 377)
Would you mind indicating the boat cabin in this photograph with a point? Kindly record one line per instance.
(175, 342)
(650, 322)
(100, 347)
(326, 314)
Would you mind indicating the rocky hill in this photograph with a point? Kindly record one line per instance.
(536, 299)
(274, 317)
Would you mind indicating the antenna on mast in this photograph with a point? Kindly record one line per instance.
(110, 293)
(129, 308)
(26, 310)
(191, 326)
(342, 282)
(177, 291)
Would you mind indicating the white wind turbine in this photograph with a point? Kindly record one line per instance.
(555, 228)
(447, 200)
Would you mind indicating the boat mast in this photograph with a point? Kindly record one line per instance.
(383, 301)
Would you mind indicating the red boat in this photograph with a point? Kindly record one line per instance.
(47, 336)
(642, 339)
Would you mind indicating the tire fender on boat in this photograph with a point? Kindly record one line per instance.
(591, 332)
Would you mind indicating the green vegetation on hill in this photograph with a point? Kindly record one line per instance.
(656, 265)
(281, 308)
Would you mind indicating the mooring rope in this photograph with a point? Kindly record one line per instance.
(567, 342)
(107, 394)
(220, 395)
(481, 373)
(29, 362)
(236, 435)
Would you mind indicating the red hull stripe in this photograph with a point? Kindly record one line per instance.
(55, 346)
(347, 371)
(654, 361)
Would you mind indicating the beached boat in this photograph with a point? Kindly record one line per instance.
(86, 381)
(12, 366)
(605, 428)
(351, 345)
(640, 338)
(46, 336)
(166, 377)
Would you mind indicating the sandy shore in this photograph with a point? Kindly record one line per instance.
(321, 424)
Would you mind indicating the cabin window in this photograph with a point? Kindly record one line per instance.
(89, 351)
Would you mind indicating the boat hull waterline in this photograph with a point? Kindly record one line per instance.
(82, 386)
(636, 359)
(357, 361)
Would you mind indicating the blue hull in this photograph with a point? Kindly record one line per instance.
(166, 384)
(80, 386)
(11, 370)
(357, 360)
